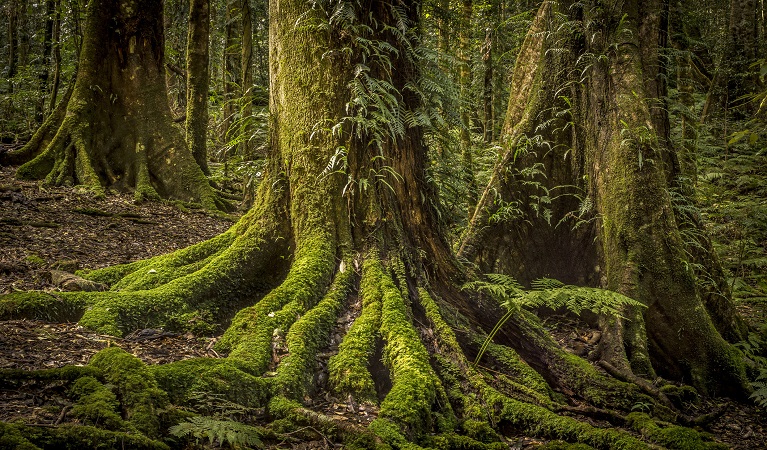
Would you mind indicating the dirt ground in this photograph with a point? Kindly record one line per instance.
(45, 228)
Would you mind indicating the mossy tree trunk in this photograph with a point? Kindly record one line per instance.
(588, 113)
(117, 131)
(345, 217)
(198, 81)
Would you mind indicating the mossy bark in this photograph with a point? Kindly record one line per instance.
(117, 131)
(197, 81)
(589, 113)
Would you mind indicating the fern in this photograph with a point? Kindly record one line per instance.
(760, 388)
(221, 432)
(546, 292)
(555, 295)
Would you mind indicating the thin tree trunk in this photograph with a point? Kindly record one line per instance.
(50, 19)
(198, 81)
(246, 81)
(13, 32)
(56, 51)
(487, 92)
(465, 77)
(230, 72)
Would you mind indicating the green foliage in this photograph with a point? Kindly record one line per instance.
(222, 433)
(549, 293)
(552, 294)
(96, 404)
(755, 348)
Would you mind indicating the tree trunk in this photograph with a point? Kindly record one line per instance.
(487, 89)
(197, 81)
(117, 132)
(56, 58)
(13, 31)
(612, 134)
(230, 73)
(50, 19)
(246, 82)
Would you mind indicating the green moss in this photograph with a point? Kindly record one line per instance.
(72, 437)
(449, 441)
(681, 395)
(389, 432)
(220, 377)
(526, 379)
(295, 372)
(96, 404)
(562, 445)
(154, 272)
(35, 260)
(62, 307)
(415, 386)
(672, 436)
(142, 400)
(249, 337)
(537, 421)
(37, 168)
(12, 438)
(348, 369)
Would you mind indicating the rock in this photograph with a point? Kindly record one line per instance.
(70, 282)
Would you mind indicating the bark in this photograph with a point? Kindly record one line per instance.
(618, 141)
(117, 132)
(13, 31)
(246, 82)
(197, 81)
(230, 70)
(56, 44)
(487, 90)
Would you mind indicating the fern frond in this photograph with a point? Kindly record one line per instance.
(220, 432)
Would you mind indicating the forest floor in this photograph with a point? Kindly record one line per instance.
(45, 228)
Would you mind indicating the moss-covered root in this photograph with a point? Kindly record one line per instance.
(296, 370)
(671, 436)
(290, 415)
(502, 411)
(43, 136)
(41, 306)
(186, 380)
(190, 289)
(249, 338)
(348, 369)
(143, 402)
(24, 437)
(417, 401)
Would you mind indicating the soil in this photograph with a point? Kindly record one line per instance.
(62, 228)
